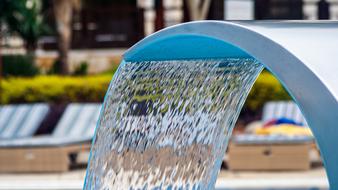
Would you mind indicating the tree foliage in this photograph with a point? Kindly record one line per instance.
(23, 18)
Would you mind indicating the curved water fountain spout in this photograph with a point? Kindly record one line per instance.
(302, 55)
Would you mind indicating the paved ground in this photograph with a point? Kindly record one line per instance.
(315, 178)
(73, 180)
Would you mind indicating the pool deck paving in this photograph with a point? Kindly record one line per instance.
(73, 180)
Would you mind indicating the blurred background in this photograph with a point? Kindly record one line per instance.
(58, 57)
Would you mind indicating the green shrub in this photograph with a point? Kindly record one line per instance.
(19, 65)
(55, 69)
(266, 88)
(93, 88)
(81, 69)
(55, 89)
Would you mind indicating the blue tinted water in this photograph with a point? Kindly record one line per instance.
(166, 124)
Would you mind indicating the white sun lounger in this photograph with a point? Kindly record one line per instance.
(79, 120)
(272, 152)
(21, 121)
(285, 109)
(51, 153)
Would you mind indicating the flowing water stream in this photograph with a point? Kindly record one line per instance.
(166, 124)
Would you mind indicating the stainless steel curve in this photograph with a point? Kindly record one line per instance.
(302, 55)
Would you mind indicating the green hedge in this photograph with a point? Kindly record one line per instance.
(93, 88)
(54, 89)
(266, 88)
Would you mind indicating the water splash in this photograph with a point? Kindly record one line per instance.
(166, 124)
